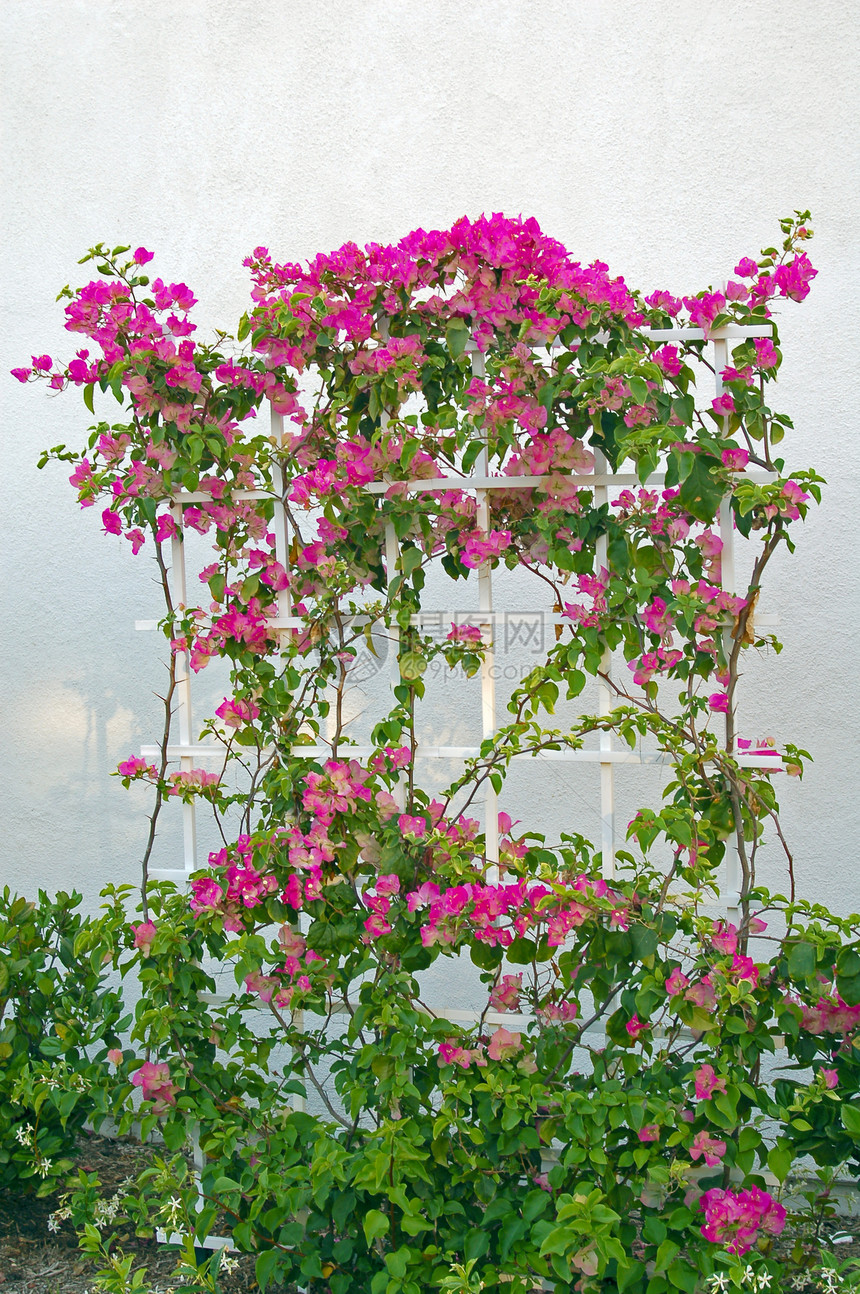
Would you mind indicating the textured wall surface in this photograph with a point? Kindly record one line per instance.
(665, 139)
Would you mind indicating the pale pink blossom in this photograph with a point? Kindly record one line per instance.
(712, 1148)
(143, 936)
(156, 1086)
(504, 1044)
(707, 1082)
(505, 995)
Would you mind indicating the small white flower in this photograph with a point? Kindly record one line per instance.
(718, 1283)
(228, 1264)
(43, 1167)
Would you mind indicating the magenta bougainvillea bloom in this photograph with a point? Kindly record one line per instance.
(735, 1218)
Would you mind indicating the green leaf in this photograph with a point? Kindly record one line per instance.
(456, 336)
(645, 941)
(410, 558)
(666, 1254)
(628, 1271)
(849, 988)
(848, 963)
(701, 493)
(801, 960)
(265, 1266)
(779, 1161)
(375, 1224)
(471, 453)
(88, 396)
(398, 1262)
(851, 1120)
(521, 952)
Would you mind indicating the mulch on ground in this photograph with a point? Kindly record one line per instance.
(35, 1260)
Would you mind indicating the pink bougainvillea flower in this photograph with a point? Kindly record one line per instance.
(136, 767)
(744, 968)
(111, 522)
(482, 548)
(736, 291)
(156, 1086)
(702, 994)
(115, 1056)
(650, 1132)
(793, 279)
(377, 925)
(676, 982)
(234, 713)
(194, 779)
(712, 1148)
(165, 528)
(451, 1053)
(734, 1218)
(505, 996)
(735, 459)
(141, 256)
(635, 1027)
(746, 268)
(724, 404)
(504, 1044)
(465, 634)
(765, 353)
(707, 1082)
(411, 825)
(143, 936)
(388, 884)
(719, 702)
(666, 358)
(792, 492)
(725, 937)
(830, 1076)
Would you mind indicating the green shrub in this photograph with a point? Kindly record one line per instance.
(59, 1016)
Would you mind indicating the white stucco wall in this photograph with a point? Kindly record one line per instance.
(664, 138)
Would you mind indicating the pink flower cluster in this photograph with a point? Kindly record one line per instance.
(480, 548)
(503, 1045)
(156, 1085)
(497, 914)
(234, 713)
(831, 1014)
(136, 767)
(735, 1218)
(144, 934)
(300, 968)
(192, 781)
(594, 587)
(240, 887)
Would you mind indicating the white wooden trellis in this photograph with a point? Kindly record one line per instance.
(607, 756)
